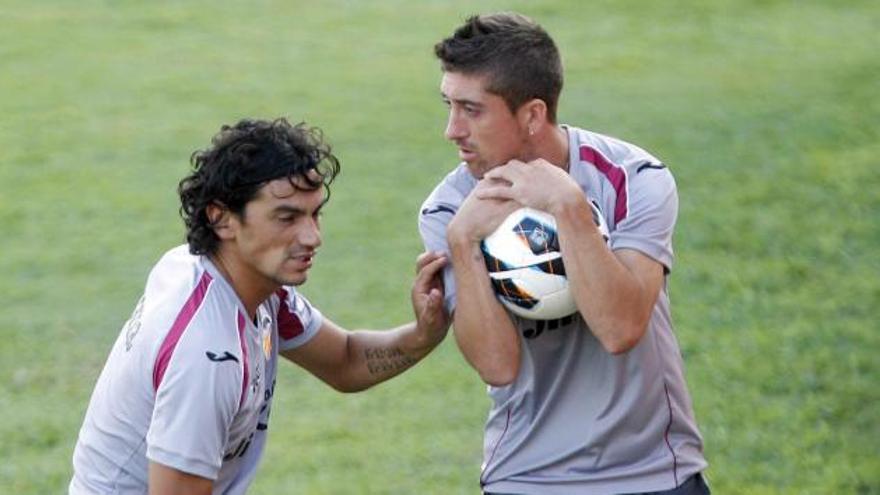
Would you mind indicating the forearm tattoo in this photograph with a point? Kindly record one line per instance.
(381, 361)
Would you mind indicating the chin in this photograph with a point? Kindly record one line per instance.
(292, 280)
(478, 169)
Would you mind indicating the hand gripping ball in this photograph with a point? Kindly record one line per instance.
(525, 265)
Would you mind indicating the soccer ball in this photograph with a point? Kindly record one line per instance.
(525, 266)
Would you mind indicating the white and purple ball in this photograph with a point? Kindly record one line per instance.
(525, 265)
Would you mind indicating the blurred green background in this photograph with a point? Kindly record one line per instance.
(766, 111)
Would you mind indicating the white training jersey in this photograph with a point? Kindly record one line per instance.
(578, 419)
(188, 383)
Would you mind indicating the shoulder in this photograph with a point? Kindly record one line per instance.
(452, 190)
(295, 316)
(606, 153)
(177, 289)
(626, 166)
(182, 288)
(444, 201)
(189, 316)
(617, 174)
(177, 274)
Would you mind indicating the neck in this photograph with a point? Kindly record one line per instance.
(551, 144)
(250, 288)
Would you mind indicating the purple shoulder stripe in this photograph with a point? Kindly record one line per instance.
(180, 324)
(614, 173)
(242, 326)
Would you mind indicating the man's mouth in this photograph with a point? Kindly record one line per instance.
(466, 154)
(305, 258)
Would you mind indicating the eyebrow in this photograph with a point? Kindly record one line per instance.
(461, 101)
(288, 209)
(297, 211)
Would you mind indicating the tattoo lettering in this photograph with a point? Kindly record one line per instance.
(381, 361)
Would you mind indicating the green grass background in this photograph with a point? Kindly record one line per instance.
(767, 112)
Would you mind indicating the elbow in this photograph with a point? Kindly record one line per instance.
(624, 338)
(496, 369)
(619, 346)
(348, 386)
(350, 389)
(500, 376)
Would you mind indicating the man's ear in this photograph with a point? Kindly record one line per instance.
(220, 219)
(533, 115)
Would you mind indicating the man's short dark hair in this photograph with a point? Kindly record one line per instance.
(519, 58)
(242, 158)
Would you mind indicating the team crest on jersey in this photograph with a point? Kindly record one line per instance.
(266, 336)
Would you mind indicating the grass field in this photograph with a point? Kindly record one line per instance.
(767, 112)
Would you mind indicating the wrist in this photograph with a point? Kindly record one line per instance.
(567, 205)
(421, 341)
(460, 241)
(465, 255)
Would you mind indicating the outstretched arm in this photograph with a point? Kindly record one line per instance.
(351, 361)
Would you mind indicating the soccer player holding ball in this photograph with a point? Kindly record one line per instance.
(182, 405)
(595, 402)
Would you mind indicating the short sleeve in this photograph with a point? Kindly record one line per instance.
(195, 403)
(433, 219)
(298, 321)
(651, 216)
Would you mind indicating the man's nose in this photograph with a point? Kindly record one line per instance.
(455, 128)
(311, 234)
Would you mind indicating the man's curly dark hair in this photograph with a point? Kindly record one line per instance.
(241, 159)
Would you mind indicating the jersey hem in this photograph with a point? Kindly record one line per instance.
(656, 255)
(658, 482)
(181, 463)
